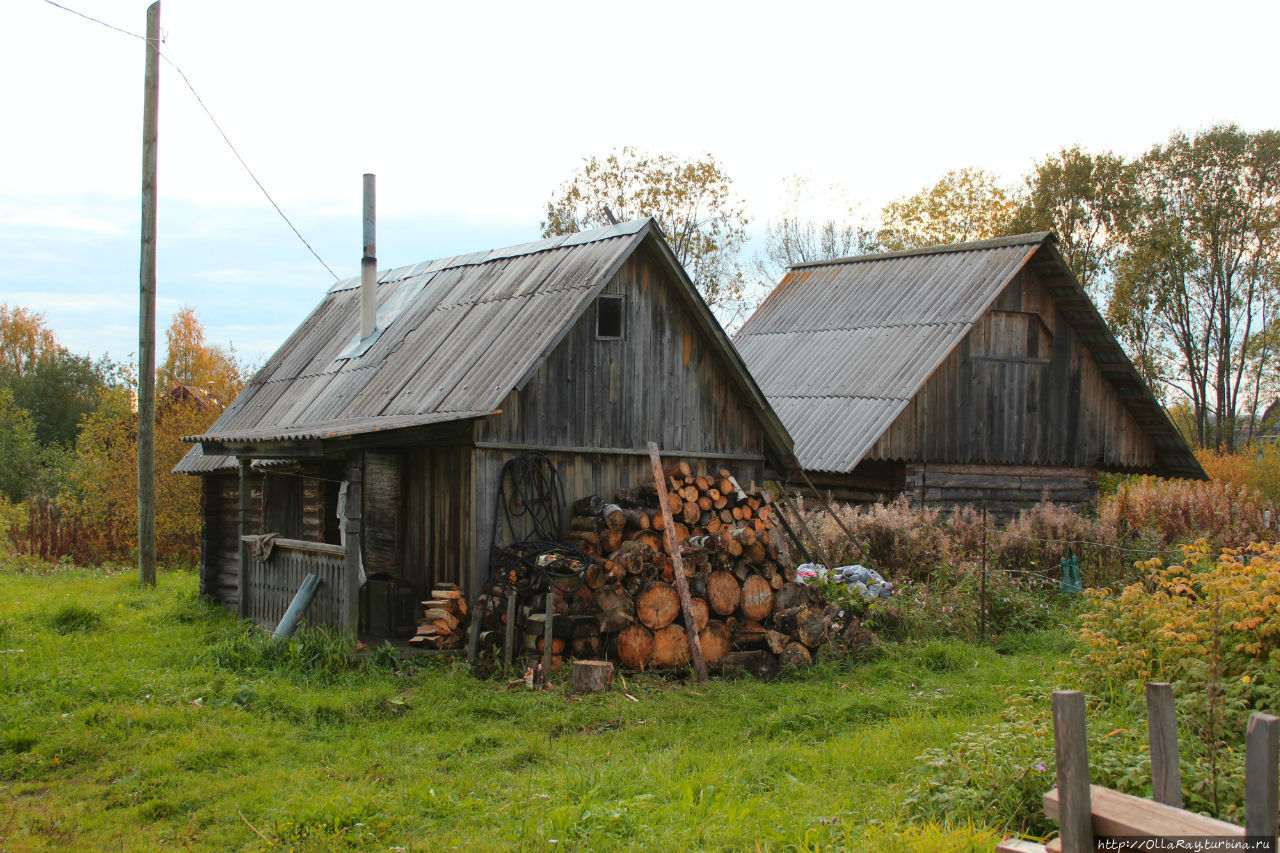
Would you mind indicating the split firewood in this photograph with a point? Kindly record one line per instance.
(678, 469)
(776, 641)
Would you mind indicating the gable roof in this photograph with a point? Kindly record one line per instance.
(840, 347)
(456, 336)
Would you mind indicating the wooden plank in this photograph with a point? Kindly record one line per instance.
(682, 585)
(1018, 845)
(1162, 734)
(1071, 754)
(1262, 755)
(1116, 814)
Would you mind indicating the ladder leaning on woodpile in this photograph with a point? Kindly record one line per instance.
(1086, 812)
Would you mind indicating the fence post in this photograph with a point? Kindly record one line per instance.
(245, 510)
(1261, 792)
(1071, 753)
(1162, 734)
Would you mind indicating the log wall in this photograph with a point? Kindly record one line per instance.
(1021, 389)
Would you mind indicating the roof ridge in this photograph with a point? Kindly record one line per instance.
(902, 325)
(515, 250)
(1027, 239)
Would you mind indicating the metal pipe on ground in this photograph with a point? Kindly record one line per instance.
(301, 601)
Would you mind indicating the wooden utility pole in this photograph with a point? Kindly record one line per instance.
(147, 311)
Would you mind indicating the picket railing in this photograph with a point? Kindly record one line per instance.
(269, 585)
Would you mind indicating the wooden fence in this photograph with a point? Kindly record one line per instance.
(1088, 812)
(267, 586)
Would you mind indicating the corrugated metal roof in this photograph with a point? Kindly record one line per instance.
(457, 336)
(840, 347)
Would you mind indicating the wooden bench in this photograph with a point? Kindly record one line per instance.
(1084, 811)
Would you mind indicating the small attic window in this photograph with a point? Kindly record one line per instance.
(609, 317)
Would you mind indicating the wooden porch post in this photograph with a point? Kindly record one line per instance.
(353, 525)
(246, 502)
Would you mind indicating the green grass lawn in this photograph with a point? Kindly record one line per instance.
(133, 719)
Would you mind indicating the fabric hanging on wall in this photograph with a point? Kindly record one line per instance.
(342, 527)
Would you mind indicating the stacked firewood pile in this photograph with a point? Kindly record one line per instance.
(443, 622)
(750, 617)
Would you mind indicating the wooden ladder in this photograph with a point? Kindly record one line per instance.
(1085, 812)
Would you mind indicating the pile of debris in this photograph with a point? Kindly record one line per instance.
(750, 614)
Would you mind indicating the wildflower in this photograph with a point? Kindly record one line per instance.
(1244, 679)
(1039, 766)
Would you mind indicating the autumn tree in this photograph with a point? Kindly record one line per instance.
(191, 360)
(965, 204)
(1087, 200)
(54, 386)
(1196, 282)
(692, 201)
(794, 238)
(18, 448)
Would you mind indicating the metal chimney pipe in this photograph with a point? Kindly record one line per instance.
(368, 266)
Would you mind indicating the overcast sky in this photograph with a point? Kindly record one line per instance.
(472, 114)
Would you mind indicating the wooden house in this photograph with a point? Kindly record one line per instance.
(975, 372)
(583, 347)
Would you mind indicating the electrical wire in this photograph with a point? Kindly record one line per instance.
(253, 177)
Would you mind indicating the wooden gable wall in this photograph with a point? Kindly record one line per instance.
(1020, 389)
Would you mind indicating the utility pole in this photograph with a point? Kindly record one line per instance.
(147, 310)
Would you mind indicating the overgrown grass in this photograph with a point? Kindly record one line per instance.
(136, 719)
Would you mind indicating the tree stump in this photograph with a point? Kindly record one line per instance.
(592, 676)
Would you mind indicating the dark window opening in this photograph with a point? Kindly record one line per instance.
(609, 317)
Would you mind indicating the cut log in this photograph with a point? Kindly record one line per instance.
(715, 642)
(689, 494)
(749, 633)
(613, 516)
(757, 598)
(755, 553)
(701, 613)
(674, 503)
(584, 522)
(657, 606)
(612, 598)
(612, 621)
(588, 536)
(792, 594)
(723, 593)
(652, 538)
(635, 645)
(691, 512)
(635, 498)
(703, 484)
(678, 469)
(795, 655)
(670, 647)
(590, 505)
(611, 539)
(802, 623)
(587, 647)
(705, 503)
(776, 641)
(637, 519)
(761, 665)
(591, 676)
(557, 645)
(595, 576)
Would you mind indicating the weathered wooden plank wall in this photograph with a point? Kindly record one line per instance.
(1016, 393)
(273, 582)
(382, 512)
(661, 382)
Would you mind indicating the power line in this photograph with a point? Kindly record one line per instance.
(216, 126)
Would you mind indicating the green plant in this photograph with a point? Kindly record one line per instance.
(73, 619)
